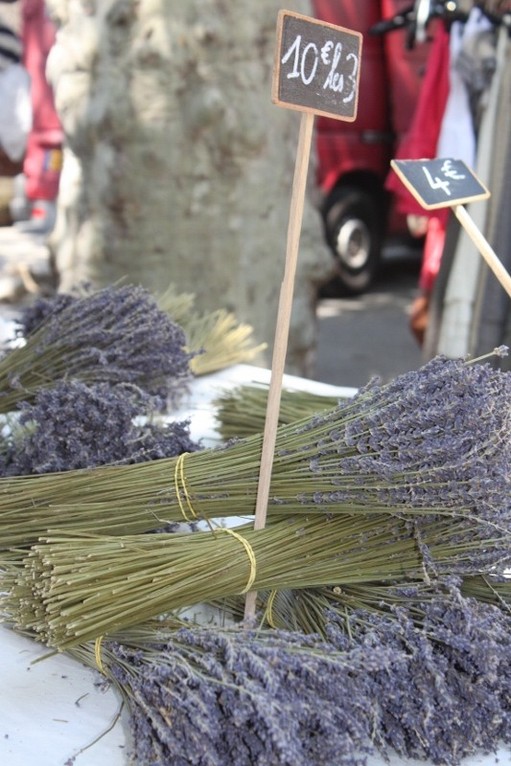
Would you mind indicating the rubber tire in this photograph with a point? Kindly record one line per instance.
(354, 226)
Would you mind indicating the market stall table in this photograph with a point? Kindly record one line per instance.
(56, 712)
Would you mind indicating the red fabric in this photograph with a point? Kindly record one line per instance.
(421, 139)
(433, 249)
(43, 158)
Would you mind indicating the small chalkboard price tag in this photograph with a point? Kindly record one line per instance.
(450, 183)
(317, 67)
(440, 182)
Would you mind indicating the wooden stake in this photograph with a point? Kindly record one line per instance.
(282, 332)
(484, 247)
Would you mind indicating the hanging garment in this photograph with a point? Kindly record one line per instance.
(43, 157)
(456, 136)
(433, 250)
(458, 304)
(420, 142)
(492, 307)
(421, 139)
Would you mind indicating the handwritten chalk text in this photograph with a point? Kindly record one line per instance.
(307, 60)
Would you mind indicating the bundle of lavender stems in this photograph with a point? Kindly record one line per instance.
(432, 443)
(218, 339)
(409, 480)
(116, 335)
(429, 679)
(241, 411)
(388, 521)
(72, 589)
(310, 610)
(88, 384)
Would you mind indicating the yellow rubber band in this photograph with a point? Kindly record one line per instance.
(250, 554)
(97, 654)
(179, 475)
(269, 609)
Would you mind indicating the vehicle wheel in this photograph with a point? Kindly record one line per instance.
(353, 230)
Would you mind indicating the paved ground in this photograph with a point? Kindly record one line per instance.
(368, 335)
(358, 337)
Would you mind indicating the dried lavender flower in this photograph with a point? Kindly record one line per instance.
(438, 436)
(212, 697)
(115, 335)
(448, 695)
(499, 351)
(74, 426)
(31, 317)
(436, 689)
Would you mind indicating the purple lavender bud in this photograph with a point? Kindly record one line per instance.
(429, 679)
(73, 425)
(438, 436)
(115, 335)
(40, 310)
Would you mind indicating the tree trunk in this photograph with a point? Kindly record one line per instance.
(178, 167)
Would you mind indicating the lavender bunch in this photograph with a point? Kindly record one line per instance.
(438, 436)
(435, 689)
(241, 411)
(42, 308)
(71, 588)
(448, 695)
(433, 443)
(116, 335)
(310, 610)
(218, 338)
(210, 697)
(73, 426)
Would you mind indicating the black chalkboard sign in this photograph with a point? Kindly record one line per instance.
(317, 67)
(440, 182)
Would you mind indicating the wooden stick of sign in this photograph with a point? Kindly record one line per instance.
(484, 247)
(445, 182)
(316, 72)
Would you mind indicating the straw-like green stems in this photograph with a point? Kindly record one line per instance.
(435, 441)
(71, 589)
(241, 411)
(310, 609)
(217, 338)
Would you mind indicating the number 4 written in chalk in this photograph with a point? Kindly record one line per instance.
(449, 172)
(441, 182)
